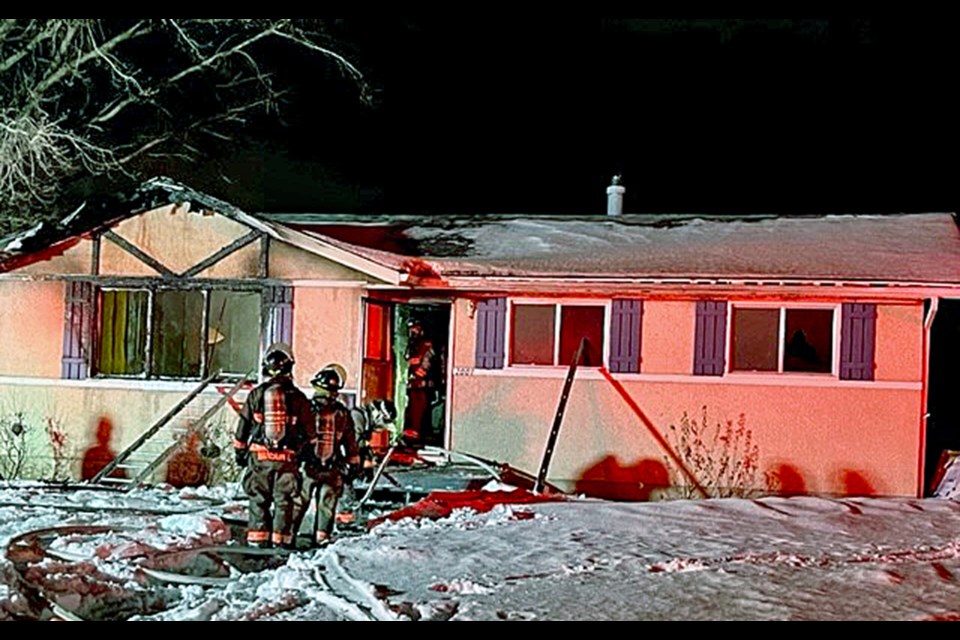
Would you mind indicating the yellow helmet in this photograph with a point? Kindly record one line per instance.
(331, 378)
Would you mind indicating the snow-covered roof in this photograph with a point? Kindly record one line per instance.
(916, 248)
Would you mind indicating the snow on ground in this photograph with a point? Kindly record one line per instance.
(797, 558)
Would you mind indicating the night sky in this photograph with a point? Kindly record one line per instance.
(523, 115)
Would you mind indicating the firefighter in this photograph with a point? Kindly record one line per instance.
(333, 457)
(421, 383)
(275, 425)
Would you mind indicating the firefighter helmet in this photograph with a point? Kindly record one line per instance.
(277, 360)
(331, 378)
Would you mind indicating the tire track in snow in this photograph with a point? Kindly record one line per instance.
(922, 555)
(345, 594)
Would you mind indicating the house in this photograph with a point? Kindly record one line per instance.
(783, 355)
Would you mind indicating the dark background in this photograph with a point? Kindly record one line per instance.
(520, 115)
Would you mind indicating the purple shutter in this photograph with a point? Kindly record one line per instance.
(625, 333)
(709, 355)
(491, 328)
(79, 309)
(858, 328)
(277, 315)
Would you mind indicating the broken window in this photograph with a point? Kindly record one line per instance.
(187, 333)
(233, 331)
(549, 334)
(123, 338)
(808, 341)
(780, 340)
(177, 322)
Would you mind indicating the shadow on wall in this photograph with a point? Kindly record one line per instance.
(187, 468)
(100, 454)
(785, 480)
(610, 480)
(855, 484)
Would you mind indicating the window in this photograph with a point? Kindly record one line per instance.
(123, 339)
(549, 334)
(782, 339)
(173, 333)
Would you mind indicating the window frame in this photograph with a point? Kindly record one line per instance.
(148, 365)
(558, 304)
(783, 307)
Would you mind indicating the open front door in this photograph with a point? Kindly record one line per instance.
(378, 363)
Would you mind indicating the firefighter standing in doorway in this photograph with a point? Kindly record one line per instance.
(275, 425)
(421, 383)
(333, 457)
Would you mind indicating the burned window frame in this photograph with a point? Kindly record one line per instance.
(149, 365)
(558, 304)
(782, 338)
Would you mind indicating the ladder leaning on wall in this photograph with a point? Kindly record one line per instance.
(168, 434)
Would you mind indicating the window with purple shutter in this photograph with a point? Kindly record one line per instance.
(491, 325)
(79, 309)
(277, 315)
(626, 326)
(858, 329)
(709, 355)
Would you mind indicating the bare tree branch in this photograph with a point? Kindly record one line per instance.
(88, 97)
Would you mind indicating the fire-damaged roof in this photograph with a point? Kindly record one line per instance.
(915, 248)
(903, 248)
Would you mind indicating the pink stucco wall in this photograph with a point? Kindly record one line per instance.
(77, 407)
(899, 342)
(326, 329)
(667, 346)
(813, 434)
(31, 328)
(816, 439)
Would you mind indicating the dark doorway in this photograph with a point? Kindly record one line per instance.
(421, 369)
(943, 423)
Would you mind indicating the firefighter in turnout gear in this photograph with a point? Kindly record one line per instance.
(422, 369)
(333, 457)
(275, 425)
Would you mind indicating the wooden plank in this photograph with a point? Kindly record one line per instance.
(264, 266)
(220, 254)
(846, 361)
(137, 282)
(617, 336)
(486, 328)
(869, 340)
(95, 256)
(558, 419)
(66, 370)
(137, 253)
(167, 417)
(720, 338)
(498, 348)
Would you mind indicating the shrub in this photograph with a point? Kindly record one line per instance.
(722, 456)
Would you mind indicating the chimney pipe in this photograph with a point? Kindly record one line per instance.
(615, 197)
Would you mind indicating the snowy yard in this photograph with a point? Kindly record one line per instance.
(769, 559)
